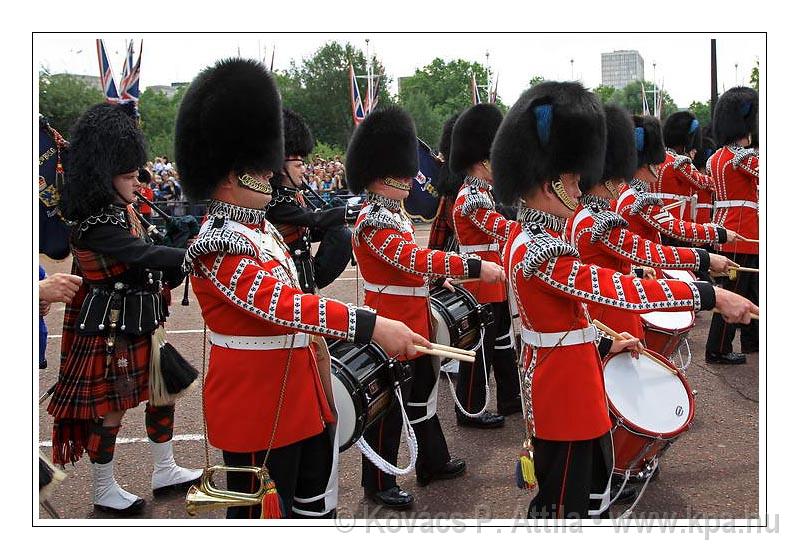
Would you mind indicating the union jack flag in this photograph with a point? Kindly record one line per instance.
(130, 75)
(107, 81)
(355, 99)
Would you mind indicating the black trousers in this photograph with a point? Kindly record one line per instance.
(384, 435)
(721, 334)
(498, 352)
(300, 471)
(569, 472)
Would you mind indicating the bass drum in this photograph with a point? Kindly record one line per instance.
(458, 318)
(651, 405)
(362, 378)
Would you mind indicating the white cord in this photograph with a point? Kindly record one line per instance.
(485, 381)
(641, 492)
(411, 441)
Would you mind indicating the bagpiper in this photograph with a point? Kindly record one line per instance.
(107, 344)
(264, 399)
(482, 230)
(734, 168)
(301, 224)
(552, 136)
(382, 160)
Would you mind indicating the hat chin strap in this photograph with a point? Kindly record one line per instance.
(394, 183)
(561, 193)
(250, 182)
(612, 189)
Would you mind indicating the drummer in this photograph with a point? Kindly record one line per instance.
(382, 159)
(554, 134)
(602, 237)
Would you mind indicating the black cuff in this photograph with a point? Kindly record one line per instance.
(722, 233)
(639, 272)
(473, 267)
(604, 346)
(365, 325)
(708, 297)
(703, 260)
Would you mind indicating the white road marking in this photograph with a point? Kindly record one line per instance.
(182, 437)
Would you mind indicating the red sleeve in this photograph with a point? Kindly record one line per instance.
(697, 179)
(690, 232)
(391, 247)
(265, 293)
(749, 165)
(491, 223)
(588, 283)
(641, 251)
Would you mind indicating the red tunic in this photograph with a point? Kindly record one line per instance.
(391, 261)
(246, 285)
(735, 173)
(563, 384)
(602, 238)
(678, 179)
(480, 230)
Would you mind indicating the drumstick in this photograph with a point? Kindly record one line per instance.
(753, 316)
(673, 205)
(445, 354)
(614, 334)
(459, 281)
(452, 349)
(745, 239)
(746, 269)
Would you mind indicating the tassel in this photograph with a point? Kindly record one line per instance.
(159, 396)
(525, 471)
(271, 507)
(49, 477)
(178, 374)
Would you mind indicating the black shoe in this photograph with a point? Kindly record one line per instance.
(509, 409)
(393, 498)
(486, 421)
(179, 488)
(452, 469)
(133, 509)
(731, 358)
(627, 496)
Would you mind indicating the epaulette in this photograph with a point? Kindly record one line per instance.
(604, 221)
(283, 195)
(541, 248)
(474, 199)
(680, 160)
(644, 199)
(217, 238)
(110, 215)
(740, 154)
(379, 217)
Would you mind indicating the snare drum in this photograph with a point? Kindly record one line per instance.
(651, 405)
(361, 378)
(458, 318)
(665, 331)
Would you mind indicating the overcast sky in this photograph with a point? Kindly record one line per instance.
(682, 60)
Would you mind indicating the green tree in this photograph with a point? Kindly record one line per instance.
(605, 93)
(630, 97)
(63, 98)
(536, 80)
(318, 88)
(429, 121)
(702, 111)
(159, 112)
(754, 77)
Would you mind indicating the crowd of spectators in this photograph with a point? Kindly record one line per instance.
(327, 177)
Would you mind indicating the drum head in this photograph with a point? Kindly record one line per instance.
(647, 396)
(669, 321)
(345, 409)
(442, 330)
(684, 275)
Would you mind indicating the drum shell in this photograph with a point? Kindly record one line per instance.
(634, 445)
(664, 340)
(459, 317)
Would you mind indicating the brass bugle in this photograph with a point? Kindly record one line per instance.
(206, 496)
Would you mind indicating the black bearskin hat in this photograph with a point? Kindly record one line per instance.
(103, 143)
(472, 136)
(702, 155)
(620, 162)
(383, 145)
(736, 115)
(682, 130)
(553, 128)
(229, 120)
(649, 142)
(297, 137)
(448, 183)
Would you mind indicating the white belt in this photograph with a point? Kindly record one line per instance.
(736, 204)
(670, 196)
(565, 338)
(473, 248)
(279, 342)
(421, 291)
(702, 205)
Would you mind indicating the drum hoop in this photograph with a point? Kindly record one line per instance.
(644, 432)
(649, 325)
